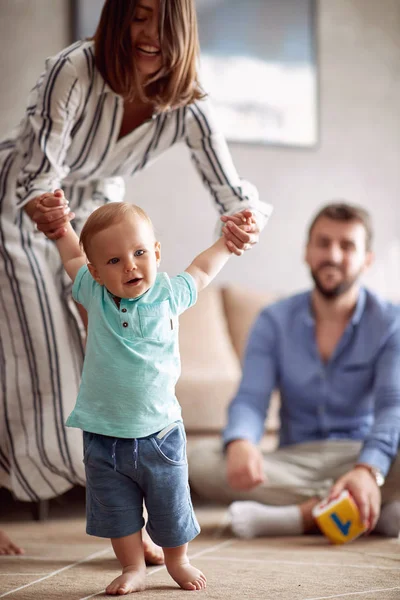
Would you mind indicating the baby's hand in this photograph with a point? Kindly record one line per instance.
(52, 214)
(240, 231)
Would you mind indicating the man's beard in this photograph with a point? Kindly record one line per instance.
(334, 292)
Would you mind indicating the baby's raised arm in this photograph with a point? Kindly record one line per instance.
(71, 253)
(209, 263)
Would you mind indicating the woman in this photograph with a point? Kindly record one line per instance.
(7, 546)
(103, 109)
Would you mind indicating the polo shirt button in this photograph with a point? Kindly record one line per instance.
(123, 309)
(125, 324)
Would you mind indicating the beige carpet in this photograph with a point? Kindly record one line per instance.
(61, 561)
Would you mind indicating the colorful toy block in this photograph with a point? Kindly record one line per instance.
(339, 520)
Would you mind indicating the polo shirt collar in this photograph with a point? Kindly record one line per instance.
(121, 300)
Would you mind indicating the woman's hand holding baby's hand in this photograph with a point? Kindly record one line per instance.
(51, 214)
(241, 231)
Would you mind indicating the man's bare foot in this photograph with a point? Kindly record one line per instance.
(7, 546)
(153, 554)
(187, 576)
(131, 580)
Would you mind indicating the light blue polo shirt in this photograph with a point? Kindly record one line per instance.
(132, 360)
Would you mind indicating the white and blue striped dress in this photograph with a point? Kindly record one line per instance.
(69, 138)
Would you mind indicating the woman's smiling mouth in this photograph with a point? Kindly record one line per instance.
(148, 50)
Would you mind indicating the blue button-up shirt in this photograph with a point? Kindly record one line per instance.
(355, 395)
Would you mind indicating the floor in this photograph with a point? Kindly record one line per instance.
(61, 561)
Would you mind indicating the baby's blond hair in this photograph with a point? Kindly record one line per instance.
(107, 215)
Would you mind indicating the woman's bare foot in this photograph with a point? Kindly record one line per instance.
(7, 546)
(131, 580)
(153, 554)
(187, 576)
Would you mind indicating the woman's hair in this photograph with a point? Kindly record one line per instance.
(176, 83)
(106, 215)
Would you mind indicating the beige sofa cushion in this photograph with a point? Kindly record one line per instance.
(241, 309)
(210, 366)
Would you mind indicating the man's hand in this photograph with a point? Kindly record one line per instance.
(367, 495)
(51, 214)
(241, 230)
(244, 465)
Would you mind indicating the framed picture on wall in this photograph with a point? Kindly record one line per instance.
(258, 63)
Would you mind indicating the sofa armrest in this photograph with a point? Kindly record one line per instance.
(241, 309)
(210, 367)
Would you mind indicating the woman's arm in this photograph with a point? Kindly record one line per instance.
(54, 105)
(213, 161)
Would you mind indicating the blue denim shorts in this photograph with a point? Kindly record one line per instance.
(122, 473)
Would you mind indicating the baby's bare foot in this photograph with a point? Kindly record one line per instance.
(131, 580)
(187, 576)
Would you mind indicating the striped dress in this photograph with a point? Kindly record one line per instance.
(69, 138)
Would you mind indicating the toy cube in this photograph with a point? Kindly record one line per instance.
(339, 520)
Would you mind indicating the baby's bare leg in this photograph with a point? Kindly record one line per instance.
(153, 554)
(180, 569)
(129, 551)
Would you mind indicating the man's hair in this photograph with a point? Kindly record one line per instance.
(106, 215)
(176, 83)
(341, 211)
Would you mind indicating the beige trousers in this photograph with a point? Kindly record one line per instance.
(294, 473)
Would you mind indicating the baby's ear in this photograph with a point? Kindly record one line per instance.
(94, 273)
(157, 248)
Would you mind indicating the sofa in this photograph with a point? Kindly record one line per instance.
(213, 336)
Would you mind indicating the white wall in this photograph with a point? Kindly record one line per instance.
(30, 30)
(357, 158)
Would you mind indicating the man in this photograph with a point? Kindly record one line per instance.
(334, 355)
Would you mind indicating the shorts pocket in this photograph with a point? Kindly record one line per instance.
(171, 447)
(155, 321)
